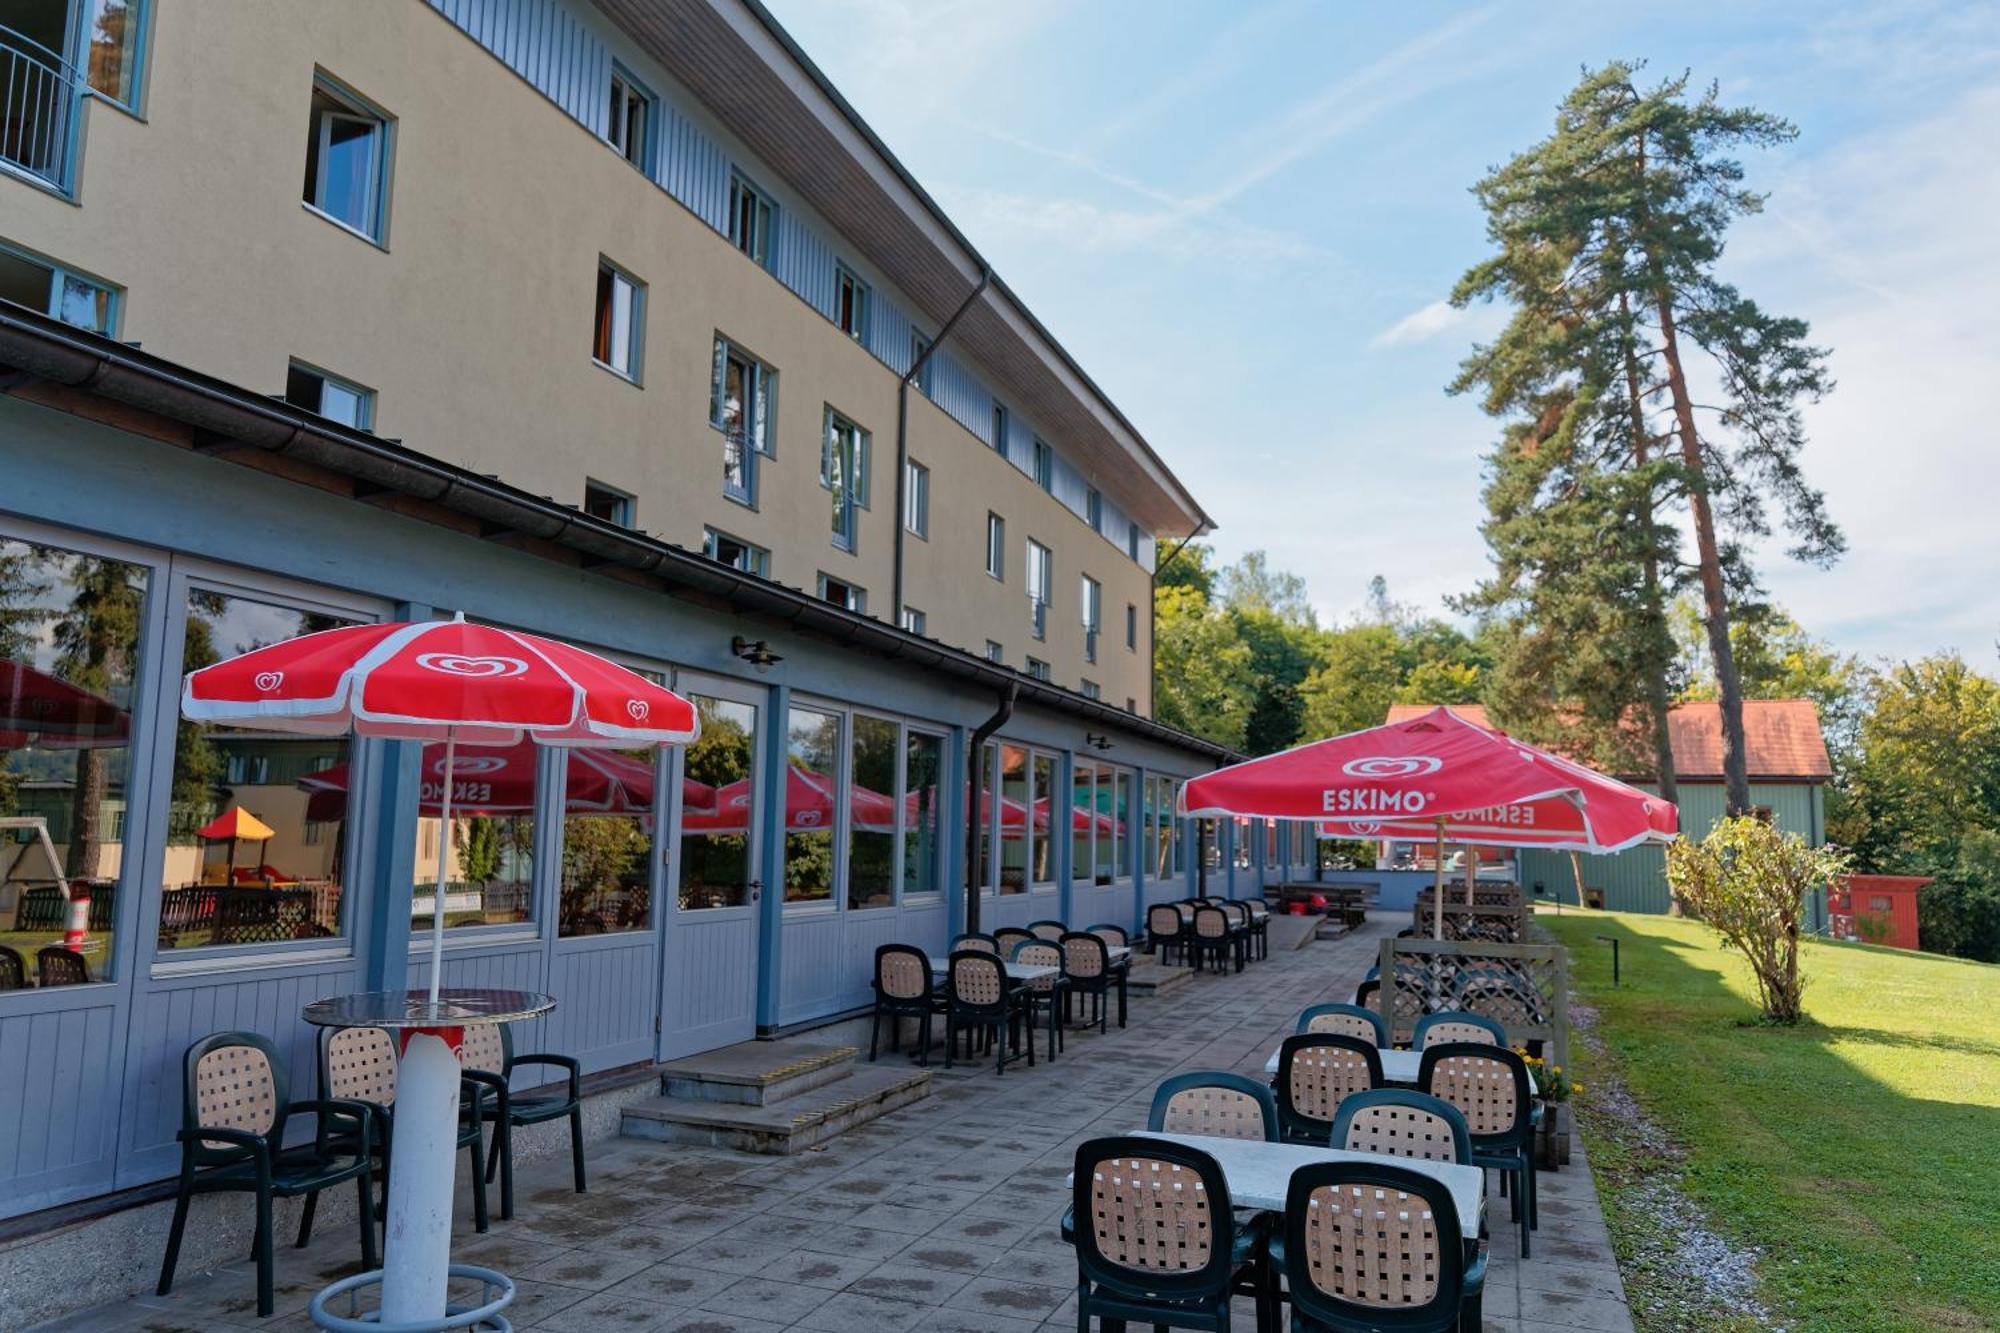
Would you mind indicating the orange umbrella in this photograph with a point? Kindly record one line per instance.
(235, 823)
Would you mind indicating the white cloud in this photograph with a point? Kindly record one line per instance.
(997, 219)
(1423, 324)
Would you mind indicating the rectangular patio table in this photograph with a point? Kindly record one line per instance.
(1260, 1173)
(1015, 971)
(1397, 1066)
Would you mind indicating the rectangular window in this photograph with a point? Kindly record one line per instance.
(871, 814)
(750, 221)
(1131, 627)
(913, 620)
(1131, 704)
(347, 160)
(606, 882)
(608, 503)
(1132, 541)
(1091, 689)
(812, 749)
(996, 546)
(920, 348)
(716, 856)
(1000, 427)
(995, 651)
(1093, 509)
(629, 123)
(226, 880)
(736, 553)
(921, 824)
(850, 303)
(333, 398)
(72, 642)
(843, 471)
(842, 593)
(1083, 807)
(1038, 669)
(1045, 465)
(742, 404)
(619, 332)
(917, 499)
(1091, 599)
(57, 292)
(113, 30)
(1039, 578)
(1017, 802)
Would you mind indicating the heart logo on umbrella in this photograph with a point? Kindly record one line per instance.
(638, 708)
(456, 664)
(471, 765)
(1391, 766)
(268, 681)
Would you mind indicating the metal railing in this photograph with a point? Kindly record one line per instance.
(39, 94)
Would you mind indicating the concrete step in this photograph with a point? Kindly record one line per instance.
(1150, 978)
(756, 1073)
(803, 1120)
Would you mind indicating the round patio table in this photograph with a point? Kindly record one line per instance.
(416, 1258)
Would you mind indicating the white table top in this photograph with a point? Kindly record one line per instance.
(1397, 1066)
(1260, 1173)
(1015, 971)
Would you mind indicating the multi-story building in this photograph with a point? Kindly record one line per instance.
(608, 319)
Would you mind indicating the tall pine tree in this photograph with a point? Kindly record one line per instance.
(1638, 386)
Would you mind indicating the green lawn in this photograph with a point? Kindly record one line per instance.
(1860, 1152)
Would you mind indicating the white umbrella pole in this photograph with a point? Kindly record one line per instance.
(1437, 890)
(444, 862)
(1471, 872)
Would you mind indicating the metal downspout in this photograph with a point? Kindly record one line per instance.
(975, 756)
(903, 434)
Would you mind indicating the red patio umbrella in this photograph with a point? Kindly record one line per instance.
(501, 781)
(46, 711)
(809, 805)
(440, 680)
(1438, 776)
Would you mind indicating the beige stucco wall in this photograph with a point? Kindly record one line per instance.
(473, 322)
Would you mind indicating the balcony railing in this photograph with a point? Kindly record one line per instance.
(39, 99)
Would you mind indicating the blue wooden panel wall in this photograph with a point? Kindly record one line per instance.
(542, 41)
(693, 168)
(59, 1075)
(605, 984)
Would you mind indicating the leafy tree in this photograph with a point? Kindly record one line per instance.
(1928, 773)
(1187, 566)
(95, 639)
(1251, 586)
(479, 850)
(1608, 235)
(1777, 659)
(1204, 682)
(1749, 880)
(1353, 689)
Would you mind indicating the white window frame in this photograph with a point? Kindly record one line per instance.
(847, 281)
(916, 499)
(618, 130)
(60, 275)
(364, 417)
(758, 245)
(355, 108)
(627, 504)
(996, 547)
(760, 413)
(1038, 576)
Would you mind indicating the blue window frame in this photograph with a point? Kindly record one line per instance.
(751, 214)
(1093, 509)
(1000, 427)
(743, 394)
(920, 346)
(347, 160)
(332, 397)
(843, 471)
(631, 118)
(113, 42)
(850, 303)
(1045, 465)
(58, 291)
(618, 337)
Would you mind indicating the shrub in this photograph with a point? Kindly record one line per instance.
(1748, 881)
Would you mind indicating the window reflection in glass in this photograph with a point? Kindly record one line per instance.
(69, 648)
(871, 817)
(256, 819)
(1118, 814)
(607, 850)
(1044, 801)
(1015, 833)
(979, 796)
(1082, 801)
(490, 881)
(812, 749)
(719, 772)
(923, 767)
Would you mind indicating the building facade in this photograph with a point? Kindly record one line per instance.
(609, 321)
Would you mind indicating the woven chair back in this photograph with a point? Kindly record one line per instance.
(484, 1049)
(13, 969)
(1322, 1076)
(1221, 1113)
(977, 979)
(1151, 1215)
(1483, 1088)
(1211, 923)
(1343, 1025)
(1040, 953)
(58, 966)
(1401, 1131)
(1085, 955)
(236, 1088)
(1163, 919)
(902, 975)
(1047, 930)
(1437, 1033)
(361, 1065)
(1371, 1246)
(976, 943)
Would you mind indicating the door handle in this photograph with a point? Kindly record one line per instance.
(756, 887)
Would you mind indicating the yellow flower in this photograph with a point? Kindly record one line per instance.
(1576, 1088)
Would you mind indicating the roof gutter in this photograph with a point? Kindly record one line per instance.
(225, 416)
(910, 377)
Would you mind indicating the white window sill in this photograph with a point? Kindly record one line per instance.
(616, 373)
(345, 226)
(196, 965)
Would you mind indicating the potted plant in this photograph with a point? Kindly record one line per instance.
(1553, 1088)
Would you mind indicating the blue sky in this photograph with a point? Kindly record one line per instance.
(1242, 219)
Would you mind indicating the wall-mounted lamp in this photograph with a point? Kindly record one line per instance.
(754, 651)
(1097, 742)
